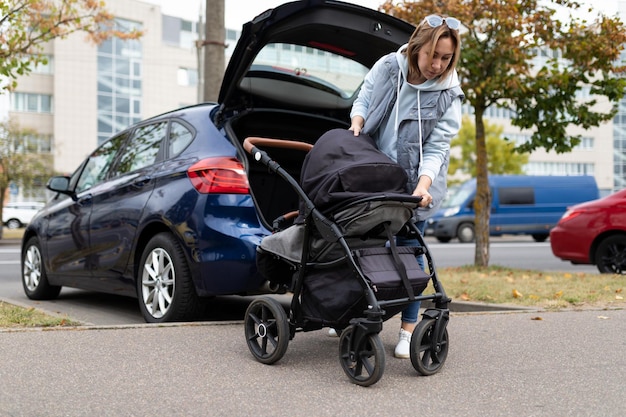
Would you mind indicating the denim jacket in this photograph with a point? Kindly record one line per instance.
(439, 113)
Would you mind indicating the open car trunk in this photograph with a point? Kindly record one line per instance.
(273, 196)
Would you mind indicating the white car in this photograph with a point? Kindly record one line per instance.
(16, 215)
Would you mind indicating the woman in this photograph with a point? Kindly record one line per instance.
(410, 103)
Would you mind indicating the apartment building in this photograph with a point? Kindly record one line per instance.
(88, 92)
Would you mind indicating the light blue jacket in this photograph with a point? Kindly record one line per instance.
(437, 108)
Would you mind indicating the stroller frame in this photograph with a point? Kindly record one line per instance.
(269, 330)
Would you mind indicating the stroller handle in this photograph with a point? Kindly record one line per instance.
(250, 143)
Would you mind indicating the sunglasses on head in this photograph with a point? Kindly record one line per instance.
(435, 21)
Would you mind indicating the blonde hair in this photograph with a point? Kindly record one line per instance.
(424, 35)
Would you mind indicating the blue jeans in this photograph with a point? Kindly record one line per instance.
(411, 311)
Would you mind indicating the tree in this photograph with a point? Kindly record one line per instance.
(26, 25)
(21, 161)
(502, 156)
(214, 44)
(498, 66)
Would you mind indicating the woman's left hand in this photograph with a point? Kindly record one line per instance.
(422, 191)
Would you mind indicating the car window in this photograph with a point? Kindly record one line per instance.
(142, 148)
(328, 71)
(516, 195)
(96, 167)
(179, 138)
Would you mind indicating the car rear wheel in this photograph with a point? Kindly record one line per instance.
(611, 255)
(34, 278)
(164, 285)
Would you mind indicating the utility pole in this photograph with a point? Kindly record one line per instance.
(214, 49)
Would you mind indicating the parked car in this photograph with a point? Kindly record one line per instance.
(16, 215)
(171, 210)
(594, 233)
(520, 205)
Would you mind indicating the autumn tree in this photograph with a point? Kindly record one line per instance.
(26, 25)
(534, 58)
(22, 161)
(502, 156)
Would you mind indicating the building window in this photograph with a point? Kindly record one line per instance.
(187, 77)
(32, 103)
(119, 82)
(45, 68)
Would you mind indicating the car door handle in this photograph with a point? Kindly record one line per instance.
(141, 181)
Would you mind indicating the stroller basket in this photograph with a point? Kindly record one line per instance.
(333, 296)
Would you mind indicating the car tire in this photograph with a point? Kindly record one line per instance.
(540, 237)
(444, 239)
(611, 255)
(14, 224)
(465, 233)
(34, 277)
(165, 287)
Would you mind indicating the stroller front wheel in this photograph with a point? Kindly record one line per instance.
(365, 363)
(427, 354)
(267, 330)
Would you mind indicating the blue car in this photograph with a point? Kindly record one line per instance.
(171, 210)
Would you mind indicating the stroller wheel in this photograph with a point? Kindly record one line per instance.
(428, 355)
(267, 330)
(365, 363)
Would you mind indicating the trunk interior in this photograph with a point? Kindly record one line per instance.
(272, 194)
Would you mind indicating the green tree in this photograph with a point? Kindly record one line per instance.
(26, 25)
(21, 162)
(502, 156)
(502, 43)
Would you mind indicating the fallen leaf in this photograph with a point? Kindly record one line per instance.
(558, 294)
(619, 290)
(517, 294)
(568, 275)
(536, 318)
(603, 317)
(464, 297)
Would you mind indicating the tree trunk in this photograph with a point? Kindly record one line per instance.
(482, 202)
(214, 45)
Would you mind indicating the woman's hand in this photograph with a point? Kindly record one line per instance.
(421, 190)
(357, 125)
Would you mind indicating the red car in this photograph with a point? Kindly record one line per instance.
(594, 233)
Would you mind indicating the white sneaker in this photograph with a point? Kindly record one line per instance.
(332, 332)
(403, 348)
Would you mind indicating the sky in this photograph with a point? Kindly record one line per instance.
(238, 12)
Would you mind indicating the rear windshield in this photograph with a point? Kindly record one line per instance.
(333, 72)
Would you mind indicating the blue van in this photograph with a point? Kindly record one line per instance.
(521, 204)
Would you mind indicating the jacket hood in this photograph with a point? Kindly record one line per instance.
(436, 84)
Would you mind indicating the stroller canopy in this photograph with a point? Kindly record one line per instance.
(342, 167)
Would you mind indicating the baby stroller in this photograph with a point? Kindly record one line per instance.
(340, 262)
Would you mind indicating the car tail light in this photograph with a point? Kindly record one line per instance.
(570, 214)
(219, 176)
